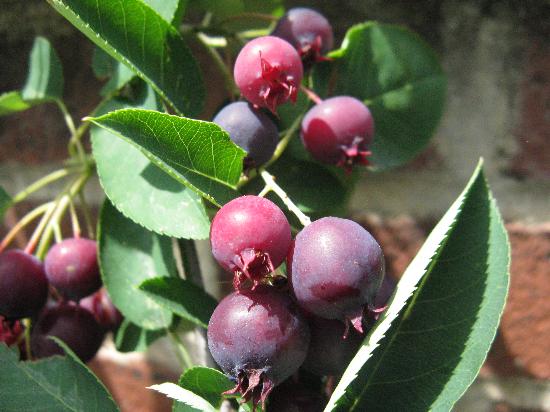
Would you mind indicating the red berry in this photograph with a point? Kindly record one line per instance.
(338, 131)
(105, 313)
(250, 236)
(259, 339)
(308, 31)
(23, 285)
(335, 270)
(75, 326)
(72, 268)
(268, 72)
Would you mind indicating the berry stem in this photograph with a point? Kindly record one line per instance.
(74, 219)
(33, 241)
(60, 207)
(249, 15)
(270, 183)
(42, 182)
(311, 94)
(87, 215)
(27, 323)
(185, 359)
(24, 221)
(229, 82)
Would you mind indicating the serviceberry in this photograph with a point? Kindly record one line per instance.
(291, 396)
(23, 285)
(258, 338)
(268, 72)
(250, 129)
(105, 313)
(74, 325)
(72, 268)
(308, 31)
(338, 131)
(250, 236)
(335, 269)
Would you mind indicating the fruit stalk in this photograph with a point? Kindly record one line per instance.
(272, 186)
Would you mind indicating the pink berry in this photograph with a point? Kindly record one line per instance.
(259, 338)
(308, 31)
(23, 285)
(74, 325)
(268, 72)
(338, 131)
(105, 313)
(335, 270)
(250, 236)
(72, 268)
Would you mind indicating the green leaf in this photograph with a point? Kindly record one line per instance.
(170, 10)
(5, 203)
(131, 338)
(428, 346)
(196, 153)
(182, 297)
(136, 35)
(129, 254)
(399, 78)
(206, 382)
(53, 384)
(189, 401)
(12, 102)
(142, 191)
(45, 78)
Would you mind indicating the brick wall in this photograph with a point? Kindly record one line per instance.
(497, 56)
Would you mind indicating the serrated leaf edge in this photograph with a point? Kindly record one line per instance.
(416, 270)
(183, 395)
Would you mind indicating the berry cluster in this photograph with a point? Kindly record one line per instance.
(61, 296)
(262, 333)
(268, 72)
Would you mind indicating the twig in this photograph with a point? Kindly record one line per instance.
(24, 221)
(270, 182)
(42, 182)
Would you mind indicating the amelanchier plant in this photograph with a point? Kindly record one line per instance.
(311, 319)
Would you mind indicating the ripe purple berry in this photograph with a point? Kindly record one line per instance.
(250, 236)
(291, 396)
(251, 130)
(259, 339)
(74, 325)
(308, 31)
(329, 353)
(23, 285)
(338, 131)
(10, 331)
(72, 268)
(268, 72)
(105, 313)
(335, 270)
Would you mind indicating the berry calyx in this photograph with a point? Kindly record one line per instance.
(268, 72)
(74, 325)
(339, 131)
(335, 270)
(308, 31)
(10, 331)
(23, 285)
(250, 129)
(258, 338)
(72, 268)
(250, 237)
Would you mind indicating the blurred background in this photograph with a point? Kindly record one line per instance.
(497, 58)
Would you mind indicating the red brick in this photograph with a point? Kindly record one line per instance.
(533, 133)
